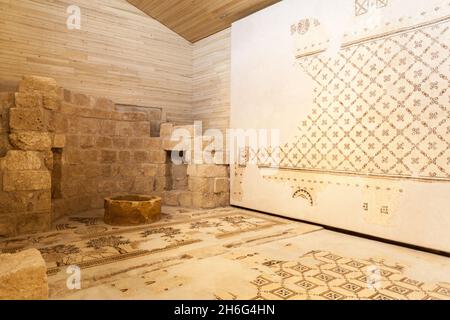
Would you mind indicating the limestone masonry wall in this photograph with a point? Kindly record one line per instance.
(63, 152)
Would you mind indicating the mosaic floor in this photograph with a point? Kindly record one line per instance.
(229, 253)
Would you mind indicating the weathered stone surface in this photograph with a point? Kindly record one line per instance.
(28, 100)
(208, 170)
(152, 143)
(35, 83)
(24, 201)
(33, 222)
(105, 104)
(31, 119)
(210, 200)
(221, 185)
(157, 157)
(165, 130)
(21, 160)
(170, 198)
(200, 184)
(132, 210)
(23, 276)
(26, 180)
(51, 101)
(25, 140)
(185, 199)
(6, 100)
(109, 156)
(59, 141)
(150, 170)
(7, 225)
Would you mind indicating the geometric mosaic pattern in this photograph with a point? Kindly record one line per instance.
(88, 242)
(381, 107)
(321, 275)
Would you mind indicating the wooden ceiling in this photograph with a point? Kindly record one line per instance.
(198, 19)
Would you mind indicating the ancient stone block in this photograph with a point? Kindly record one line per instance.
(141, 129)
(104, 142)
(221, 185)
(150, 170)
(7, 225)
(163, 170)
(105, 104)
(24, 201)
(185, 199)
(28, 223)
(42, 84)
(89, 156)
(59, 141)
(26, 180)
(176, 145)
(209, 200)
(108, 127)
(152, 143)
(22, 160)
(109, 156)
(81, 99)
(28, 100)
(120, 143)
(186, 134)
(143, 185)
(85, 142)
(170, 198)
(30, 119)
(23, 276)
(25, 140)
(140, 156)
(208, 170)
(161, 183)
(165, 130)
(200, 184)
(124, 156)
(157, 157)
(6, 100)
(124, 129)
(136, 143)
(51, 101)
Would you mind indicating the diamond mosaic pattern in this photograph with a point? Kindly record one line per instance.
(325, 276)
(380, 107)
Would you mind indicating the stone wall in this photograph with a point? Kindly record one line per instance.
(193, 183)
(106, 152)
(63, 152)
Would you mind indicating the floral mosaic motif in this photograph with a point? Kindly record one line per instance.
(115, 242)
(61, 254)
(168, 232)
(379, 108)
(320, 275)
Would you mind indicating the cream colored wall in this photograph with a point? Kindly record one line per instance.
(279, 80)
(211, 80)
(119, 53)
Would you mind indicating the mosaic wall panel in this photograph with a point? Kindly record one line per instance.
(380, 107)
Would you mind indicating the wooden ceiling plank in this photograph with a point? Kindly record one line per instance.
(198, 19)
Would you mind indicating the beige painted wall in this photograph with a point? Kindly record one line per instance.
(211, 80)
(119, 53)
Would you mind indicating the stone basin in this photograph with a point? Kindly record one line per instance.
(131, 210)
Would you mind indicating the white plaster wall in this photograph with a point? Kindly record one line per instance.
(268, 90)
